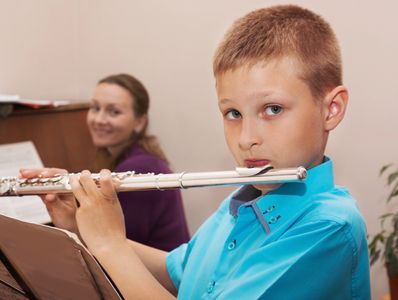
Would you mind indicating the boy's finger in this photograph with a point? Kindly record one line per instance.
(42, 172)
(88, 183)
(49, 198)
(49, 172)
(107, 185)
(30, 173)
(77, 189)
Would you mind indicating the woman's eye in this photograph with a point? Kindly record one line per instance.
(94, 108)
(233, 114)
(114, 112)
(273, 110)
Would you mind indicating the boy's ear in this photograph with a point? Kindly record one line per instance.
(335, 104)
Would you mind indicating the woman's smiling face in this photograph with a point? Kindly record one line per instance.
(111, 118)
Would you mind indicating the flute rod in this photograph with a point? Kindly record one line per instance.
(163, 185)
(129, 181)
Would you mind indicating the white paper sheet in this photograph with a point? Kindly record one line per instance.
(13, 157)
(32, 102)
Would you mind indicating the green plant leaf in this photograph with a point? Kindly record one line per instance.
(389, 249)
(395, 226)
(384, 168)
(379, 237)
(392, 177)
(384, 245)
(396, 242)
(393, 193)
(374, 252)
(374, 257)
(383, 217)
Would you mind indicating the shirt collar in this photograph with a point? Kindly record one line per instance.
(319, 179)
(244, 195)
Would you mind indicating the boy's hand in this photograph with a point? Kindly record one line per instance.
(99, 216)
(60, 207)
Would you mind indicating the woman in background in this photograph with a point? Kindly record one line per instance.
(118, 121)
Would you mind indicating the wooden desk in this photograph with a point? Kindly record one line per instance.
(60, 134)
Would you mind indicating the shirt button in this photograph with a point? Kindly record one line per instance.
(232, 245)
(210, 286)
(274, 220)
(269, 209)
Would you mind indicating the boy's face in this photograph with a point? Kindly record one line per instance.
(270, 116)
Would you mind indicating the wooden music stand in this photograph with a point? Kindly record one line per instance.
(43, 262)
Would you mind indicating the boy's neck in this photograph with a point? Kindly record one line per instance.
(266, 188)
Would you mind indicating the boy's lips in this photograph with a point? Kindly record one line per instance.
(256, 163)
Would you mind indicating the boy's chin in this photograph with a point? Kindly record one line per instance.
(266, 188)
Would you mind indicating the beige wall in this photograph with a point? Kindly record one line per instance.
(60, 48)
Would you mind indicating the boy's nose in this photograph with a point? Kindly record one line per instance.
(249, 135)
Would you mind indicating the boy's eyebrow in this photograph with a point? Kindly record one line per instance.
(261, 94)
(256, 95)
(224, 100)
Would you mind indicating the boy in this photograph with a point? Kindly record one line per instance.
(279, 85)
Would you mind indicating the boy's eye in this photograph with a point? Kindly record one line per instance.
(273, 110)
(233, 114)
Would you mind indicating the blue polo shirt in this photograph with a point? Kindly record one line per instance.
(300, 241)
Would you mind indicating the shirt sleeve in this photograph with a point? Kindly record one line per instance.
(176, 260)
(174, 264)
(312, 261)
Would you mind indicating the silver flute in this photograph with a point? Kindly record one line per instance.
(131, 181)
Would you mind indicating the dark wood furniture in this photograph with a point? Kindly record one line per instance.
(59, 134)
(62, 140)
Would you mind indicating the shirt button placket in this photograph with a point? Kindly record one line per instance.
(210, 286)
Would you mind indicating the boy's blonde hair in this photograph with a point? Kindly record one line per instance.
(284, 31)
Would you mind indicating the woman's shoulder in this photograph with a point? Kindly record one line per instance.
(141, 161)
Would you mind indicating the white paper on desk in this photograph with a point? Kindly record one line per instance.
(13, 157)
(32, 102)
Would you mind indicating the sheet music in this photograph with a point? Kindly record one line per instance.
(53, 263)
(27, 208)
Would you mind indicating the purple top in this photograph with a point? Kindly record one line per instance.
(154, 218)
